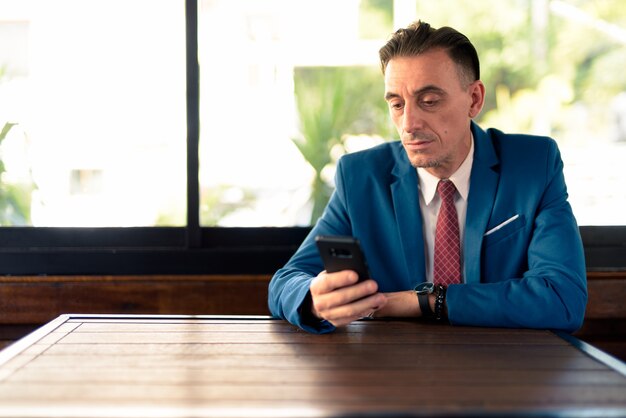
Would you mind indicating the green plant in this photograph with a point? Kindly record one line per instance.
(14, 198)
(333, 102)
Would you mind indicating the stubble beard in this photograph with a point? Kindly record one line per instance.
(419, 159)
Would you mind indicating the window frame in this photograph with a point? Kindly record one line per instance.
(194, 249)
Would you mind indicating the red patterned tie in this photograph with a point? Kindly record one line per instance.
(447, 265)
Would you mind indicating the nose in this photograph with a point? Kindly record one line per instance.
(412, 120)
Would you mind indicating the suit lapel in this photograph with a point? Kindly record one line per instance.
(404, 192)
(483, 187)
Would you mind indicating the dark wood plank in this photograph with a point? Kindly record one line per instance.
(605, 317)
(607, 293)
(39, 299)
(249, 367)
(351, 377)
(223, 348)
(292, 338)
(291, 409)
(376, 395)
(391, 359)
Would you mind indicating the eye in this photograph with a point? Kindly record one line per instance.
(396, 105)
(429, 102)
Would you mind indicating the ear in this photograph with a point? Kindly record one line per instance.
(477, 93)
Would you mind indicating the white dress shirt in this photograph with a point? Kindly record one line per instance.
(430, 203)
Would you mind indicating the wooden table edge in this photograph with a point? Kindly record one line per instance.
(23, 343)
(20, 345)
(28, 340)
(593, 352)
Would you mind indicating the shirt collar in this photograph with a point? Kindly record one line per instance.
(460, 178)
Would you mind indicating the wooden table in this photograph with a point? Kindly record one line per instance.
(183, 366)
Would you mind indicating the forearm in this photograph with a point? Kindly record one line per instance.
(404, 305)
(529, 302)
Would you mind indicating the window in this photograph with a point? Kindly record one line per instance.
(96, 90)
(279, 81)
(181, 136)
(550, 67)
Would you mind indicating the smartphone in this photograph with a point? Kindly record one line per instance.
(342, 253)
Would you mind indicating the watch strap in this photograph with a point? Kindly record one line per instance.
(422, 298)
(440, 298)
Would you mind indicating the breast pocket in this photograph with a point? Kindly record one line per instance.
(506, 228)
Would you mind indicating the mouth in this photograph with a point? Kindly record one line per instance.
(417, 146)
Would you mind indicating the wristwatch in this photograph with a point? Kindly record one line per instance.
(422, 291)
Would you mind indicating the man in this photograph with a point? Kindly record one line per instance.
(508, 253)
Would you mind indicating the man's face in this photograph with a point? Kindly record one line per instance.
(431, 107)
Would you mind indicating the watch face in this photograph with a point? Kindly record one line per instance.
(425, 288)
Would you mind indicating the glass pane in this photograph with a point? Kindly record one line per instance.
(551, 68)
(555, 68)
(96, 89)
(279, 105)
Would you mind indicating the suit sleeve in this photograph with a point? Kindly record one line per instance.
(289, 297)
(552, 292)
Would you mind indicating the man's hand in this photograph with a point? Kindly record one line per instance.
(340, 299)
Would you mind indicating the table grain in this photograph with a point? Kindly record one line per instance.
(183, 366)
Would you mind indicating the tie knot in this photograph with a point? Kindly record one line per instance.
(446, 189)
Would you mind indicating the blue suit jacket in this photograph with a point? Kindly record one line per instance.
(530, 273)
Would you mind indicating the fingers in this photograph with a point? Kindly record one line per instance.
(327, 282)
(340, 298)
(329, 290)
(345, 314)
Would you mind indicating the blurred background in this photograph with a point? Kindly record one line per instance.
(92, 102)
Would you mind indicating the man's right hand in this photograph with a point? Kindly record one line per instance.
(340, 299)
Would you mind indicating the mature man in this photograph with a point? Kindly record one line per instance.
(457, 223)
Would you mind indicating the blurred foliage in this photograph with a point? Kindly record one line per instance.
(541, 67)
(503, 35)
(375, 19)
(333, 102)
(15, 199)
(544, 70)
(217, 202)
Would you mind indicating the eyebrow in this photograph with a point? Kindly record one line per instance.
(431, 88)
